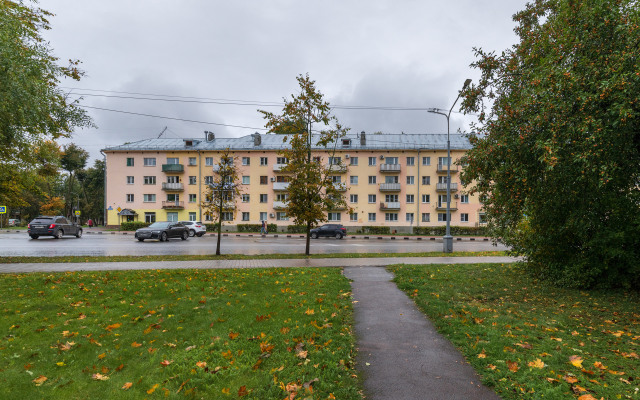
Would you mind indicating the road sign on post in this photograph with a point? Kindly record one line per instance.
(3, 209)
(78, 212)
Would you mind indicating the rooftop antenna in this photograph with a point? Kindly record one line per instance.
(163, 131)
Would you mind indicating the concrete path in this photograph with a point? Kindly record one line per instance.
(400, 354)
(286, 263)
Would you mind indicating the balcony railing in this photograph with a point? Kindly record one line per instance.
(173, 205)
(279, 205)
(172, 186)
(280, 186)
(442, 206)
(390, 168)
(337, 168)
(394, 205)
(443, 168)
(278, 167)
(390, 187)
(442, 187)
(340, 187)
(172, 168)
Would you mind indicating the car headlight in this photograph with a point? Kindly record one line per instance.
(156, 231)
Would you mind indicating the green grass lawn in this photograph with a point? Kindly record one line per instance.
(254, 334)
(528, 340)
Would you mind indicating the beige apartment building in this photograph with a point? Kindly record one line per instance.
(397, 181)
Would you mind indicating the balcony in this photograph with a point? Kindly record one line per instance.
(443, 168)
(172, 168)
(172, 187)
(340, 187)
(173, 205)
(442, 187)
(390, 168)
(395, 205)
(390, 187)
(280, 186)
(279, 205)
(442, 206)
(279, 167)
(339, 169)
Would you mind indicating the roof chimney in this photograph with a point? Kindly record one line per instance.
(209, 136)
(257, 140)
(363, 139)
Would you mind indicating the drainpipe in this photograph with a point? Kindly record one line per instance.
(418, 199)
(199, 186)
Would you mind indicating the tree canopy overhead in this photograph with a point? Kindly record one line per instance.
(557, 150)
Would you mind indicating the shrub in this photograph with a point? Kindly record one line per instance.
(296, 229)
(376, 230)
(455, 230)
(132, 226)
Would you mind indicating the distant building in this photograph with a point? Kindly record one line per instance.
(398, 181)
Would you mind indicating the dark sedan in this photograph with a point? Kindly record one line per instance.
(329, 230)
(163, 231)
(56, 226)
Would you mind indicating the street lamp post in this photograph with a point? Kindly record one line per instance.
(447, 239)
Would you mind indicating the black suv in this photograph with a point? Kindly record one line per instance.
(44, 225)
(330, 230)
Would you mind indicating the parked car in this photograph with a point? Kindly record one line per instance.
(56, 226)
(14, 222)
(163, 231)
(330, 230)
(196, 228)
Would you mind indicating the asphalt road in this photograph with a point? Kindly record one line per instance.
(107, 244)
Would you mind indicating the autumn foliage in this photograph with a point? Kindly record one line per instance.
(557, 151)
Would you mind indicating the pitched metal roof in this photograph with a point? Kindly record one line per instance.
(275, 142)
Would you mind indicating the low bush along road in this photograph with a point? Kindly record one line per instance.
(263, 334)
(530, 341)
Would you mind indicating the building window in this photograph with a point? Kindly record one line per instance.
(426, 180)
(353, 198)
(192, 197)
(149, 161)
(391, 160)
(353, 217)
(129, 161)
(372, 198)
(426, 217)
(263, 161)
(227, 216)
(464, 198)
(246, 180)
(353, 161)
(246, 161)
(333, 216)
(129, 180)
(391, 198)
(411, 161)
(281, 216)
(372, 161)
(282, 161)
(208, 180)
(334, 160)
(372, 217)
(149, 198)
(442, 217)
(410, 180)
(149, 180)
(149, 217)
(410, 218)
(208, 161)
(426, 160)
(245, 216)
(391, 217)
(353, 180)
(171, 160)
(129, 198)
(263, 216)
(264, 180)
(245, 198)
(172, 216)
(192, 180)
(193, 161)
(464, 217)
(410, 198)
(444, 160)
(372, 179)
(482, 218)
(263, 198)
(426, 198)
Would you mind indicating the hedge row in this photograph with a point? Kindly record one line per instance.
(132, 226)
(455, 230)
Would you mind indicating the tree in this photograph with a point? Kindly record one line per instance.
(74, 159)
(556, 154)
(222, 193)
(92, 184)
(312, 192)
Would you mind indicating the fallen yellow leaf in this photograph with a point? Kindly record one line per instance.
(576, 361)
(201, 364)
(537, 363)
(153, 389)
(40, 380)
(136, 344)
(127, 385)
(99, 377)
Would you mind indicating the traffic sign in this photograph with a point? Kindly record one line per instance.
(3, 209)
(77, 212)
(119, 209)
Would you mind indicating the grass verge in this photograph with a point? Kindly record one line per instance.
(254, 334)
(94, 259)
(528, 340)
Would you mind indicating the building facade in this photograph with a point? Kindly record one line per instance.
(398, 181)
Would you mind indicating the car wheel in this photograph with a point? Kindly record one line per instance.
(314, 235)
(338, 235)
(58, 234)
(192, 233)
(200, 234)
(34, 236)
(163, 236)
(185, 235)
(140, 239)
(79, 234)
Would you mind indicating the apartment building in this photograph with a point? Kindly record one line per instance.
(399, 181)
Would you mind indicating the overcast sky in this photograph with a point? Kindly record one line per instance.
(407, 53)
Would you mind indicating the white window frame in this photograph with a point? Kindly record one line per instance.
(353, 198)
(130, 197)
(208, 161)
(246, 180)
(149, 162)
(149, 198)
(130, 180)
(371, 217)
(372, 198)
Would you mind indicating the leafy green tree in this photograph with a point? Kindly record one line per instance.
(74, 159)
(223, 193)
(91, 182)
(312, 192)
(556, 155)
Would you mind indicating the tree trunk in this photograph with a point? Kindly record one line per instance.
(306, 252)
